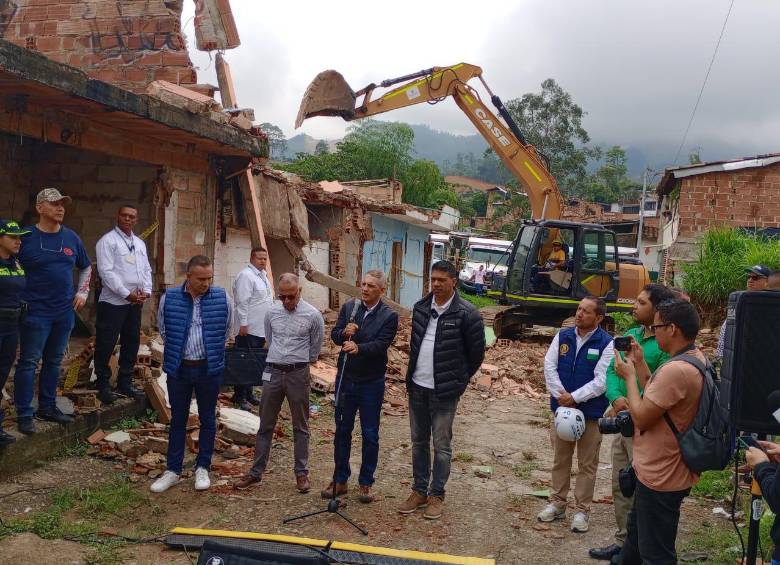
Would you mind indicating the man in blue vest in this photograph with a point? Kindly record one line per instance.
(194, 322)
(575, 369)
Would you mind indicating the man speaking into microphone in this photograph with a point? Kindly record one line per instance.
(365, 330)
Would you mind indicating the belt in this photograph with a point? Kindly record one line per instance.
(286, 368)
(193, 362)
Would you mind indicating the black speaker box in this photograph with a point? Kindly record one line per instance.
(751, 360)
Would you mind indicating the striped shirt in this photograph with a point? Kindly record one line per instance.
(194, 348)
(294, 337)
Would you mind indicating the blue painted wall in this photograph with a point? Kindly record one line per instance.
(378, 254)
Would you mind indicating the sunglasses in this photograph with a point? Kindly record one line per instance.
(754, 277)
(656, 326)
(285, 297)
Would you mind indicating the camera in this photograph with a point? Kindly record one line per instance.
(622, 344)
(622, 424)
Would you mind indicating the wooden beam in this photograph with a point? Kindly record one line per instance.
(252, 206)
(225, 80)
(350, 289)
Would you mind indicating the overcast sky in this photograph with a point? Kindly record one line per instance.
(634, 67)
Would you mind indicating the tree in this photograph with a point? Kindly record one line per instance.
(552, 122)
(277, 142)
(321, 148)
(610, 182)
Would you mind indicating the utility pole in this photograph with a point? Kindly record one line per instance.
(642, 212)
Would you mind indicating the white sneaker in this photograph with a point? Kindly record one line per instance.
(551, 512)
(579, 523)
(166, 481)
(202, 481)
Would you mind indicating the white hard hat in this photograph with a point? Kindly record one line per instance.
(569, 423)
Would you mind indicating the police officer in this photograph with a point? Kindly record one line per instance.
(12, 283)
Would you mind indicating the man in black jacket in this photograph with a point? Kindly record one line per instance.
(447, 348)
(767, 472)
(365, 329)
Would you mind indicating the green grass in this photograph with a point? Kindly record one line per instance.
(463, 457)
(128, 423)
(720, 542)
(715, 484)
(79, 449)
(79, 514)
(478, 301)
(523, 470)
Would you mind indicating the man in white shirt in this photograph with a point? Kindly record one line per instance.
(575, 370)
(126, 278)
(252, 296)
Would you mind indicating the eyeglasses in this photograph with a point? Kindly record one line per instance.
(285, 297)
(656, 326)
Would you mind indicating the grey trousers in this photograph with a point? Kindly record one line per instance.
(294, 386)
(622, 448)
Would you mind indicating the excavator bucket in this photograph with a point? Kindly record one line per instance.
(327, 95)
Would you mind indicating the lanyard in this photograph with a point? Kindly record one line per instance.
(131, 245)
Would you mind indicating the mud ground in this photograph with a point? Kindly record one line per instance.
(484, 517)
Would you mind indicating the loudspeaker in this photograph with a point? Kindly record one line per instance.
(214, 553)
(751, 360)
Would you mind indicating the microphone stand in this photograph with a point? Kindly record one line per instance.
(334, 504)
(756, 510)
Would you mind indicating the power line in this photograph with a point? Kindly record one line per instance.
(704, 84)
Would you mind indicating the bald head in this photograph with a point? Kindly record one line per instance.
(288, 278)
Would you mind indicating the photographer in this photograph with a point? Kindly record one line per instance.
(662, 478)
(648, 358)
(767, 472)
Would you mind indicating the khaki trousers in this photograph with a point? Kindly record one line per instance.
(587, 464)
(622, 454)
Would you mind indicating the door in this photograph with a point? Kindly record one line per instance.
(599, 269)
(516, 278)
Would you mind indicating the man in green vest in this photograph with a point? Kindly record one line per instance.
(645, 347)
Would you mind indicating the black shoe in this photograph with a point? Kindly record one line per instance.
(131, 392)
(244, 405)
(54, 415)
(25, 425)
(604, 553)
(253, 400)
(6, 438)
(105, 396)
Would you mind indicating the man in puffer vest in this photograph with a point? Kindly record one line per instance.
(575, 369)
(194, 323)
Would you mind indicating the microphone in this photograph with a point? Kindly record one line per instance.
(773, 401)
(354, 310)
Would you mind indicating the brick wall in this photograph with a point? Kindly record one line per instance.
(190, 221)
(743, 198)
(129, 43)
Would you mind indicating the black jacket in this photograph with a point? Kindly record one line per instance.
(768, 476)
(375, 334)
(459, 348)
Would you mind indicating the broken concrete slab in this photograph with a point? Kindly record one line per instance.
(238, 426)
(181, 97)
(215, 26)
(97, 437)
(323, 377)
(156, 444)
(118, 437)
(156, 393)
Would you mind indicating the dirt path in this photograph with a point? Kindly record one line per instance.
(486, 517)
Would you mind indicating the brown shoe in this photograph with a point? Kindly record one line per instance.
(365, 495)
(415, 501)
(327, 492)
(245, 482)
(302, 484)
(434, 509)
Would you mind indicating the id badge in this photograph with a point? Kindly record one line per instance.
(266, 375)
(130, 258)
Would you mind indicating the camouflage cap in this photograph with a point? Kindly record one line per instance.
(51, 195)
(9, 227)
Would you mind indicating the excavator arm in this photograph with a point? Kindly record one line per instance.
(330, 95)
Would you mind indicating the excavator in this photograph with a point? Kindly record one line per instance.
(553, 263)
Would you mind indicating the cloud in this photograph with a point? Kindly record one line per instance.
(634, 67)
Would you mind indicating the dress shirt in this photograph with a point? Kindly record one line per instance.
(253, 297)
(589, 390)
(123, 266)
(194, 348)
(293, 337)
(423, 371)
(369, 310)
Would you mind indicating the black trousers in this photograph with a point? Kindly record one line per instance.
(242, 392)
(123, 322)
(652, 527)
(8, 342)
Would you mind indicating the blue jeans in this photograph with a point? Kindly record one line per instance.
(428, 417)
(8, 343)
(180, 388)
(43, 340)
(366, 397)
(479, 288)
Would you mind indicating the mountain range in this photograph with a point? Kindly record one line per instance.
(440, 146)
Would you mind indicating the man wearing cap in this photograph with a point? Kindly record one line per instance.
(757, 279)
(48, 255)
(126, 283)
(12, 281)
(557, 257)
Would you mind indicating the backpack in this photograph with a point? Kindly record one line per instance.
(707, 445)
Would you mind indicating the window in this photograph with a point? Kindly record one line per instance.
(524, 243)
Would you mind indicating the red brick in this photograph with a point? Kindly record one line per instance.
(49, 44)
(175, 58)
(32, 14)
(58, 12)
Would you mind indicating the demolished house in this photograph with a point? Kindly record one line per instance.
(740, 193)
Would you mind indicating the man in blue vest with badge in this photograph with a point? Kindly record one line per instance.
(194, 321)
(575, 370)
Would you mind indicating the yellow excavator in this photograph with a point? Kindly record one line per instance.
(552, 263)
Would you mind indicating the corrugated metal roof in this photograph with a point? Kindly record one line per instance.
(666, 184)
